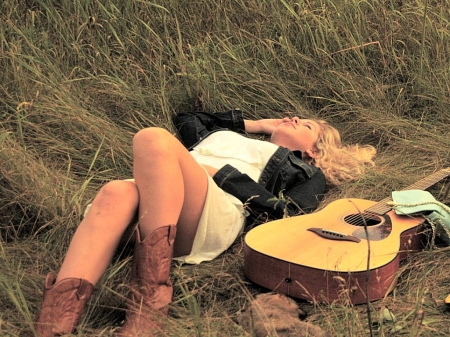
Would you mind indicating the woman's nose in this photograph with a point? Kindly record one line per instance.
(295, 120)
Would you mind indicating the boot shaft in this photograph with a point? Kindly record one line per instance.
(150, 275)
(151, 288)
(62, 305)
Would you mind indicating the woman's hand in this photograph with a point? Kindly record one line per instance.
(266, 126)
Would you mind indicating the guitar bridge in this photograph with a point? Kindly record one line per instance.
(332, 235)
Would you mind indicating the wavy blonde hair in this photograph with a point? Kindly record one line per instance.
(340, 163)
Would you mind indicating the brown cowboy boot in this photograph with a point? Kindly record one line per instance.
(151, 288)
(62, 306)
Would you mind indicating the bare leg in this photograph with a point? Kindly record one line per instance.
(172, 189)
(98, 235)
(172, 186)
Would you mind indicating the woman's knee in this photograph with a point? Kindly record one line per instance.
(153, 137)
(118, 191)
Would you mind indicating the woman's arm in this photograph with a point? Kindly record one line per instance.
(194, 126)
(265, 126)
(305, 194)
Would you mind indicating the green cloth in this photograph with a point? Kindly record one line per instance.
(423, 203)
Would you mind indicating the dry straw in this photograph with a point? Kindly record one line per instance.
(79, 78)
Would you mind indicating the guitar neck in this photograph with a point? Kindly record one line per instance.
(382, 207)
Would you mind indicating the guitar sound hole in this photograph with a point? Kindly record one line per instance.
(363, 219)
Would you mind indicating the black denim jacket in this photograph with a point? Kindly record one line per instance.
(287, 184)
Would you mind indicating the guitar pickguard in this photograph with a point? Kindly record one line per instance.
(375, 232)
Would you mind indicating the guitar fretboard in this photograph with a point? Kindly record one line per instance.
(382, 206)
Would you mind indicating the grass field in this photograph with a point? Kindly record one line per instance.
(79, 78)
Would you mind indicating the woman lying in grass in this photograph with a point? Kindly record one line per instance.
(192, 204)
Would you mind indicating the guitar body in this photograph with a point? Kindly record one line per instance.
(286, 256)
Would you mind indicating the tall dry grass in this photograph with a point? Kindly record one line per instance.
(78, 78)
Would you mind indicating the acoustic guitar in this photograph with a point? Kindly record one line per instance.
(348, 252)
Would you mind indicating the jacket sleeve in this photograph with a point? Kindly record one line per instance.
(308, 194)
(302, 198)
(194, 126)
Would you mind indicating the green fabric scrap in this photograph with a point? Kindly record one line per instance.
(418, 202)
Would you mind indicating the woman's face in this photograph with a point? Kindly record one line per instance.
(298, 135)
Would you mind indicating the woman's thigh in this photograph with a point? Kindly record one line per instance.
(171, 183)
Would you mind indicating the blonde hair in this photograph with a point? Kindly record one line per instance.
(340, 163)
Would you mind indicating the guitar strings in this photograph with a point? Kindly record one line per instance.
(374, 212)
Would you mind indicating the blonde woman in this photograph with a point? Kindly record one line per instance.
(192, 197)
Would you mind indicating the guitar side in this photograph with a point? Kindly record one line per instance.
(285, 256)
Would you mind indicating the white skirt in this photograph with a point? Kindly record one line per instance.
(220, 224)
